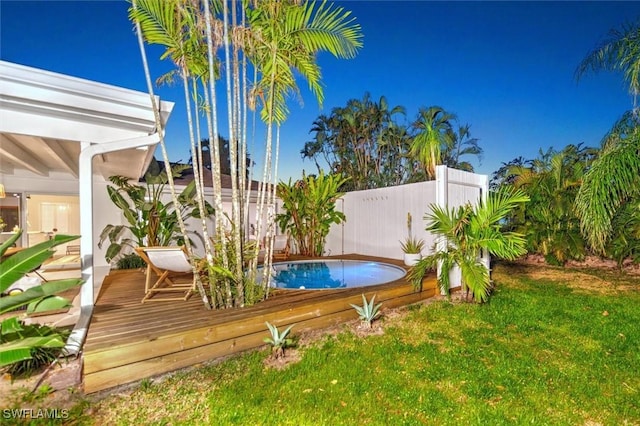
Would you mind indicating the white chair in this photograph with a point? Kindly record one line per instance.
(172, 269)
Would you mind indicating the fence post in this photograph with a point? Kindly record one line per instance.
(442, 200)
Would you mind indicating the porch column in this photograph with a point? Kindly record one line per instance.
(89, 150)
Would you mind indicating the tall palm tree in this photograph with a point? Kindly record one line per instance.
(287, 36)
(613, 178)
(360, 140)
(433, 132)
(161, 22)
(277, 37)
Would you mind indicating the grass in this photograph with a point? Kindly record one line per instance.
(551, 347)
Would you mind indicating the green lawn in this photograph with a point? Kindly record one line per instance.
(551, 347)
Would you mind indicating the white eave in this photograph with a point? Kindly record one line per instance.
(43, 116)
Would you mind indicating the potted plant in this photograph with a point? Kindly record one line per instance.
(411, 246)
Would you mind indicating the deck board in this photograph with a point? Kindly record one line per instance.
(128, 341)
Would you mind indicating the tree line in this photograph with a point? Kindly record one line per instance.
(367, 141)
(586, 200)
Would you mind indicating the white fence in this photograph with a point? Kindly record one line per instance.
(377, 218)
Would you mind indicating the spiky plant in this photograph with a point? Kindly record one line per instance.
(278, 341)
(368, 312)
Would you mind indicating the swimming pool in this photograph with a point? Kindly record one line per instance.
(332, 274)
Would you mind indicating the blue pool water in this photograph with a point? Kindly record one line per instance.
(332, 274)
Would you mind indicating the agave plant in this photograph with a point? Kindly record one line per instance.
(17, 342)
(368, 312)
(412, 245)
(278, 341)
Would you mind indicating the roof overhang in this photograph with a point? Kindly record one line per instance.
(44, 116)
(53, 122)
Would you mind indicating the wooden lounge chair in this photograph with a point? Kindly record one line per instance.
(281, 247)
(173, 272)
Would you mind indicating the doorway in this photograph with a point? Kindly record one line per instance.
(48, 215)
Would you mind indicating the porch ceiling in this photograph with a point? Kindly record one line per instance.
(45, 117)
(41, 156)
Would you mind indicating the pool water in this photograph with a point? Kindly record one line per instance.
(332, 274)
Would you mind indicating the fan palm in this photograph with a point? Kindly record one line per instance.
(467, 231)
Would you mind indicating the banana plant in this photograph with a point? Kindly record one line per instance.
(150, 221)
(368, 312)
(310, 210)
(17, 342)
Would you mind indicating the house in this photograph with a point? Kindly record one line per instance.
(62, 136)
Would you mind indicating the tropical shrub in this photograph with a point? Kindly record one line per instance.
(40, 356)
(17, 341)
(150, 221)
(130, 261)
(548, 220)
(310, 209)
(222, 281)
(466, 231)
(624, 242)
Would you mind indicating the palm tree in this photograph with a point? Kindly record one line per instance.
(433, 132)
(361, 140)
(460, 144)
(277, 37)
(619, 52)
(286, 36)
(160, 21)
(613, 178)
(612, 181)
(548, 220)
(467, 231)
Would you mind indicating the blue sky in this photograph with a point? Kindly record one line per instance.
(506, 68)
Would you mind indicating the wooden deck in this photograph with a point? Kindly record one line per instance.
(129, 341)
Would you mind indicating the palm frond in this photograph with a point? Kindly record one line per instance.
(613, 178)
